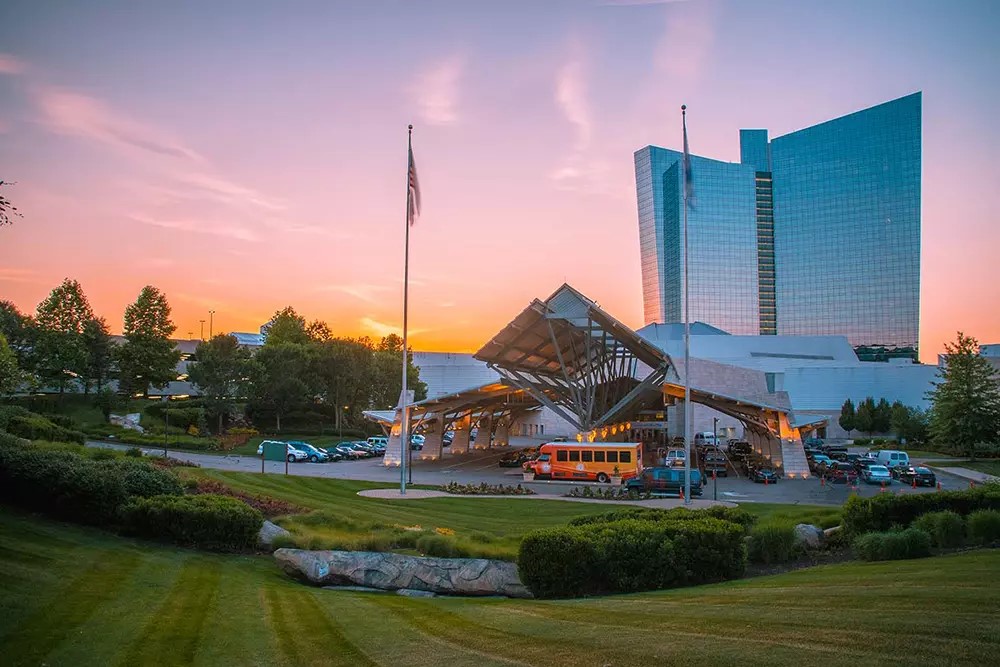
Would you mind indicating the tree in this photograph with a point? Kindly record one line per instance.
(10, 373)
(59, 348)
(847, 417)
(280, 379)
(882, 421)
(909, 424)
(147, 357)
(965, 404)
(386, 377)
(287, 326)
(97, 345)
(219, 372)
(7, 210)
(21, 333)
(864, 418)
(319, 331)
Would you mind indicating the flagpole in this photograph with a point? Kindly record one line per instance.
(688, 419)
(404, 435)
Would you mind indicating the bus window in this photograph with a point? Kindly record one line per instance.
(588, 457)
(625, 457)
(574, 456)
(561, 455)
(598, 457)
(612, 457)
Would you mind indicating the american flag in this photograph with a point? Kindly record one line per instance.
(413, 212)
(688, 187)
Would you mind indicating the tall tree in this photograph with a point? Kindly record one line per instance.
(386, 376)
(7, 210)
(909, 424)
(882, 421)
(219, 372)
(281, 381)
(21, 333)
(287, 326)
(864, 418)
(10, 373)
(965, 404)
(59, 349)
(97, 344)
(147, 357)
(847, 417)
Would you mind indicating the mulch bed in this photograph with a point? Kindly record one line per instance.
(269, 507)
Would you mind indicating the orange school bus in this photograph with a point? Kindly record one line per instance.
(588, 461)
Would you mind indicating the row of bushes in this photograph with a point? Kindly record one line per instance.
(123, 493)
(484, 489)
(20, 422)
(627, 555)
(731, 514)
(131, 437)
(269, 507)
(943, 530)
(608, 493)
(888, 443)
(886, 511)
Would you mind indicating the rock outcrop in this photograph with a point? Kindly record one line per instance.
(388, 571)
(268, 532)
(809, 536)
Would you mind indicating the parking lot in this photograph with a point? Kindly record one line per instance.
(482, 466)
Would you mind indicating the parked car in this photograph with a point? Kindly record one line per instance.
(378, 440)
(739, 449)
(876, 474)
(892, 458)
(840, 472)
(518, 457)
(293, 454)
(920, 475)
(813, 442)
(349, 452)
(314, 454)
(447, 438)
(832, 450)
(763, 474)
(675, 457)
(817, 460)
(666, 480)
(715, 462)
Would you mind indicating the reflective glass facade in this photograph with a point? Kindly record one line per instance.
(815, 232)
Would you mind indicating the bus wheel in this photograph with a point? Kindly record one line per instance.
(603, 479)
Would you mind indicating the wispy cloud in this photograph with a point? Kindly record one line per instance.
(571, 96)
(226, 191)
(76, 114)
(436, 91)
(687, 40)
(18, 275)
(11, 64)
(362, 291)
(225, 229)
(381, 329)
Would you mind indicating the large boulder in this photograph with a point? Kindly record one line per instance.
(268, 532)
(387, 571)
(808, 536)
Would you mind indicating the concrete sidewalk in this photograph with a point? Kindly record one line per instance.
(660, 503)
(971, 475)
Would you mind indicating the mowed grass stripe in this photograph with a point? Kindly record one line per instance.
(305, 632)
(49, 626)
(173, 632)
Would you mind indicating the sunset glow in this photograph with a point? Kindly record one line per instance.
(245, 157)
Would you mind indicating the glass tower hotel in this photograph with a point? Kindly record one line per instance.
(815, 232)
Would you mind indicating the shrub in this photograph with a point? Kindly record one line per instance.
(893, 545)
(947, 529)
(732, 514)
(206, 521)
(885, 511)
(984, 527)
(269, 507)
(772, 542)
(134, 452)
(862, 442)
(36, 427)
(631, 554)
(144, 480)
(440, 545)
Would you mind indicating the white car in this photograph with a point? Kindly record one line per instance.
(675, 457)
(293, 453)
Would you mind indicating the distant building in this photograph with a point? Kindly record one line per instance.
(816, 232)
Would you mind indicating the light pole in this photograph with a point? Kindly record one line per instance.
(211, 320)
(166, 427)
(715, 475)
(202, 329)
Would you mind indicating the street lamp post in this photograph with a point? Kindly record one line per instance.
(202, 329)
(715, 475)
(166, 427)
(211, 320)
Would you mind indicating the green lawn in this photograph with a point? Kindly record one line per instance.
(486, 527)
(75, 596)
(990, 467)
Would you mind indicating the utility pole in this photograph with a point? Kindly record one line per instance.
(202, 329)
(211, 319)
(715, 476)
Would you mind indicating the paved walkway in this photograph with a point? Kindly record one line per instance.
(660, 503)
(971, 475)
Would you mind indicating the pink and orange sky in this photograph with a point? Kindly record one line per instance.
(244, 156)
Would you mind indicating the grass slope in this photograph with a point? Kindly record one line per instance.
(990, 467)
(74, 596)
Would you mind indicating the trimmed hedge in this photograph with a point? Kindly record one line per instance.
(947, 529)
(984, 527)
(730, 514)
(885, 511)
(772, 542)
(631, 554)
(893, 545)
(37, 427)
(74, 487)
(209, 522)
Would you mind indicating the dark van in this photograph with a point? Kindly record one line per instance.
(666, 480)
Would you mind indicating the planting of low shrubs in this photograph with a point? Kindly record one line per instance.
(269, 507)
(439, 545)
(984, 527)
(885, 511)
(484, 489)
(217, 523)
(630, 554)
(36, 427)
(772, 542)
(608, 493)
(893, 545)
(731, 514)
(947, 528)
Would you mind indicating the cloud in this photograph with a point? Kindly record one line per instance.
(227, 230)
(17, 275)
(436, 91)
(11, 64)
(687, 40)
(571, 96)
(76, 114)
(362, 291)
(382, 329)
(226, 191)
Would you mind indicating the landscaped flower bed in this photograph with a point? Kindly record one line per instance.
(485, 489)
